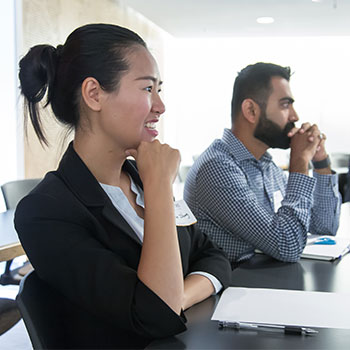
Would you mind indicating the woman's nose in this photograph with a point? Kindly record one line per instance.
(158, 105)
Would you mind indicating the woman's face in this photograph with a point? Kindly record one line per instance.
(129, 115)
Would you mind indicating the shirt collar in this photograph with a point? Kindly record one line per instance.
(238, 150)
(140, 200)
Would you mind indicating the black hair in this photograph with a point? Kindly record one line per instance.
(254, 81)
(93, 50)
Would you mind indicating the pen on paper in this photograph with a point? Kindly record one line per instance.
(321, 240)
(312, 240)
(268, 327)
(344, 252)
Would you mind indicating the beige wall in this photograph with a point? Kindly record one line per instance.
(51, 21)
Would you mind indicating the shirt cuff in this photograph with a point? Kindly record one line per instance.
(215, 282)
(301, 184)
(326, 184)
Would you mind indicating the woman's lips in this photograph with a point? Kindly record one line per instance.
(151, 127)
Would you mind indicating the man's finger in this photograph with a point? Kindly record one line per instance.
(304, 127)
(292, 132)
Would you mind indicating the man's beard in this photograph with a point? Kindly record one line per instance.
(271, 133)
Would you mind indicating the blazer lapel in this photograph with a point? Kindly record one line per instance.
(76, 175)
(130, 167)
(113, 216)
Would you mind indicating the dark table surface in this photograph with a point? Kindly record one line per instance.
(265, 272)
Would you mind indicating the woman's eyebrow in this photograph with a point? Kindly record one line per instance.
(149, 77)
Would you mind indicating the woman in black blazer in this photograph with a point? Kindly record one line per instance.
(101, 229)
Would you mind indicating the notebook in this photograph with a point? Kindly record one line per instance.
(326, 251)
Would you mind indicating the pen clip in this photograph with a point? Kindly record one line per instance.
(226, 324)
(299, 330)
(293, 330)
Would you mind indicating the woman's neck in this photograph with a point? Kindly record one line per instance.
(104, 161)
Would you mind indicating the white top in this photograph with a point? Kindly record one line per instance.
(123, 205)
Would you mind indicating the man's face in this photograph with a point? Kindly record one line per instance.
(279, 116)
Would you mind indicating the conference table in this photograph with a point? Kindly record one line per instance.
(265, 272)
(10, 247)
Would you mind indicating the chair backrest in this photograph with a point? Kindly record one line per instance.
(9, 314)
(42, 312)
(346, 188)
(14, 191)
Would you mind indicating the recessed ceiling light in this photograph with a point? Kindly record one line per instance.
(265, 20)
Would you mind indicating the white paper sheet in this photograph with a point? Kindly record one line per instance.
(286, 307)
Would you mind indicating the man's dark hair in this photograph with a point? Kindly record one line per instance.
(254, 81)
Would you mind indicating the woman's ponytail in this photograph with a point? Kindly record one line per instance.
(37, 74)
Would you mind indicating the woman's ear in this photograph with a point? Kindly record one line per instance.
(91, 93)
(250, 110)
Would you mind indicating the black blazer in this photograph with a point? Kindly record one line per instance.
(80, 244)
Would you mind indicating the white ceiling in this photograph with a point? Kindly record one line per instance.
(223, 18)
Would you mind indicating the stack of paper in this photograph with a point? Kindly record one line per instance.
(284, 307)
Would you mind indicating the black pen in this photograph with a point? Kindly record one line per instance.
(268, 327)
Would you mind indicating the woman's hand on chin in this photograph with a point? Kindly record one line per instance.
(156, 162)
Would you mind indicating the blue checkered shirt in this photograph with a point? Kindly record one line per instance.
(233, 196)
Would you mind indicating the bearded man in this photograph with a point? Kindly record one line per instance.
(241, 198)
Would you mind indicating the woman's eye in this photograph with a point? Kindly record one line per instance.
(149, 88)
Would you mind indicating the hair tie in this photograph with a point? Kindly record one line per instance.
(59, 50)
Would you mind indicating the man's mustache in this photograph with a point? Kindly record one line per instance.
(289, 126)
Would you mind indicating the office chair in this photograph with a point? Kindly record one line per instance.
(9, 314)
(13, 192)
(42, 313)
(346, 186)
